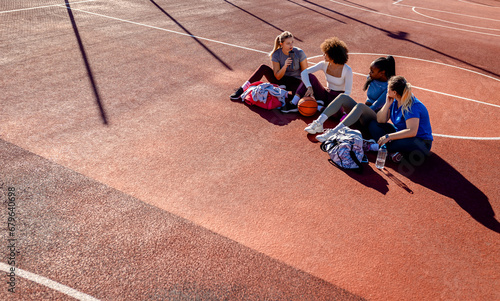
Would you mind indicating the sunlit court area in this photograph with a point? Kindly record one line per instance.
(128, 173)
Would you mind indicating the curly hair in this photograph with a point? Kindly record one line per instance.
(336, 50)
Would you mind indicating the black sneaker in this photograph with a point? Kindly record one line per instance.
(289, 108)
(237, 94)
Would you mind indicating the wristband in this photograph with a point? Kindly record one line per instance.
(387, 137)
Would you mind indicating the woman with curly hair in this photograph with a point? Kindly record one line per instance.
(381, 70)
(338, 76)
(287, 61)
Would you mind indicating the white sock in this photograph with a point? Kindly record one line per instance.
(295, 99)
(322, 118)
(246, 85)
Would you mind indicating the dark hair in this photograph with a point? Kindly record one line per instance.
(336, 50)
(386, 64)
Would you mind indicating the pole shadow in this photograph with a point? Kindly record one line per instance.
(357, 4)
(318, 12)
(260, 19)
(192, 36)
(403, 36)
(87, 64)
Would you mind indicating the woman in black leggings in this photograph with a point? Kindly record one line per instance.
(287, 61)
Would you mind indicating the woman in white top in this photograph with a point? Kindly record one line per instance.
(338, 76)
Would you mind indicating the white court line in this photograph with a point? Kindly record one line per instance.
(167, 30)
(413, 20)
(39, 7)
(48, 283)
(250, 49)
(465, 137)
(468, 2)
(448, 12)
(423, 60)
(413, 9)
(442, 93)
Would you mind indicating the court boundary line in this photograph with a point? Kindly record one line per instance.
(433, 18)
(48, 283)
(419, 59)
(40, 7)
(264, 52)
(413, 20)
(472, 3)
(164, 29)
(446, 12)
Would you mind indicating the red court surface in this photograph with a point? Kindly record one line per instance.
(136, 178)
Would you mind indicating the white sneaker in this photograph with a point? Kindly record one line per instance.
(314, 128)
(325, 136)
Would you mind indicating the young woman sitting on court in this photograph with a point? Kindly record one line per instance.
(381, 70)
(338, 76)
(411, 127)
(287, 61)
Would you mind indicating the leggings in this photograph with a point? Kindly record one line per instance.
(404, 146)
(291, 83)
(356, 111)
(320, 93)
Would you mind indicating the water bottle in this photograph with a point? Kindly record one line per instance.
(292, 65)
(382, 154)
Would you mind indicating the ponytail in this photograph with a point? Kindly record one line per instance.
(280, 39)
(387, 64)
(407, 98)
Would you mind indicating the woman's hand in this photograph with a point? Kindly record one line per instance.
(389, 100)
(383, 140)
(309, 92)
(288, 62)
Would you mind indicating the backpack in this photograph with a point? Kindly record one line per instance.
(345, 149)
(272, 102)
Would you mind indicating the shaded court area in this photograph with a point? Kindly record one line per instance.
(138, 179)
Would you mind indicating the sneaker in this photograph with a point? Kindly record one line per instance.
(396, 157)
(289, 108)
(326, 135)
(314, 128)
(237, 94)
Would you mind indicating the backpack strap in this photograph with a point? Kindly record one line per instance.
(353, 157)
(328, 144)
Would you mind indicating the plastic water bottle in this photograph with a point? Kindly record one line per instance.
(382, 154)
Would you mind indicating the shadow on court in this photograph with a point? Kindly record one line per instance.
(192, 36)
(260, 19)
(400, 35)
(439, 176)
(87, 64)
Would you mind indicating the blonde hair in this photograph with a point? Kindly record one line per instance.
(280, 39)
(407, 98)
(403, 88)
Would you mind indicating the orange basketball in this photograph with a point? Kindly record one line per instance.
(307, 106)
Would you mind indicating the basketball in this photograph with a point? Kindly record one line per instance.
(307, 106)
